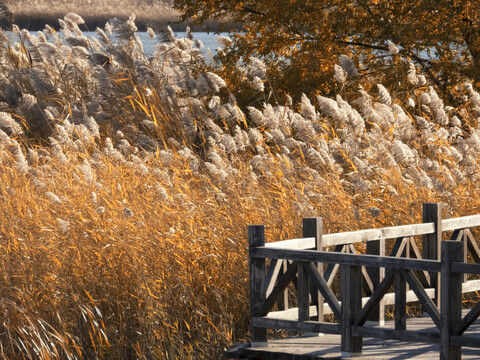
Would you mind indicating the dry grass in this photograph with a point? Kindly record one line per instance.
(128, 182)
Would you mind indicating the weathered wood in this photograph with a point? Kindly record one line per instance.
(461, 222)
(377, 274)
(323, 287)
(400, 312)
(422, 296)
(393, 334)
(290, 314)
(305, 326)
(303, 292)
(460, 267)
(469, 341)
(470, 285)
(346, 259)
(351, 294)
(375, 300)
(468, 320)
(313, 227)
(432, 212)
(258, 293)
(377, 234)
(351, 237)
(283, 281)
(451, 299)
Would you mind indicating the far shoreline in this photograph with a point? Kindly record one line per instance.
(38, 22)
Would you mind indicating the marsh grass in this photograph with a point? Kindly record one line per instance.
(128, 181)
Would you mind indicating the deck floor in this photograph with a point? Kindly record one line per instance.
(328, 346)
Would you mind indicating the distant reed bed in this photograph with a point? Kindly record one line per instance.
(128, 181)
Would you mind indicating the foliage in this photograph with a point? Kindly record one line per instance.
(127, 182)
(300, 40)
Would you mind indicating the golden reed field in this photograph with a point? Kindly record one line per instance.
(128, 180)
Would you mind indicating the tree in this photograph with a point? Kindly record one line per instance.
(300, 40)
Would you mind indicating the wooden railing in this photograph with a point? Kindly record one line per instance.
(437, 280)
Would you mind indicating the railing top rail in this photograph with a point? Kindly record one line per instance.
(345, 259)
(391, 232)
(460, 222)
(351, 237)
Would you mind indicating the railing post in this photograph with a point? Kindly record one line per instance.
(432, 212)
(377, 274)
(258, 289)
(313, 227)
(451, 299)
(351, 294)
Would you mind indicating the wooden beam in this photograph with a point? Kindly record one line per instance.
(461, 222)
(323, 287)
(346, 259)
(305, 326)
(451, 299)
(351, 294)
(258, 289)
(392, 334)
(277, 291)
(468, 320)
(427, 303)
(432, 212)
(314, 227)
(376, 299)
(461, 267)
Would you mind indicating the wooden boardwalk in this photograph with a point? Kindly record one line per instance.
(328, 346)
(293, 286)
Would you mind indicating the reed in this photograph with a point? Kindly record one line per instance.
(128, 181)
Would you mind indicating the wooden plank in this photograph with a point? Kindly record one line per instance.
(377, 234)
(376, 299)
(432, 212)
(323, 287)
(351, 237)
(301, 243)
(346, 259)
(393, 334)
(277, 291)
(256, 237)
(461, 222)
(314, 227)
(451, 299)
(351, 294)
(461, 267)
(427, 303)
(290, 314)
(305, 326)
(470, 286)
(468, 320)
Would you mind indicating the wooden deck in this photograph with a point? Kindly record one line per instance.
(328, 346)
